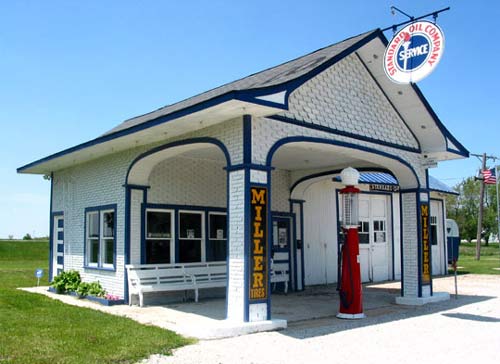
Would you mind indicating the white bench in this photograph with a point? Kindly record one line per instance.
(144, 278)
(280, 273)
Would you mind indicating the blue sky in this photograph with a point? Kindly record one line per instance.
(69, 71)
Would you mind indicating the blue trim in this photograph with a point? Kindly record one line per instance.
(390, 102)
(290, 220)
(258, 167)
(401, 255)
(53, 215)
(287, 140)
(60, 224)
(337, 171)
(136, 187)
(246, 246)
(128, 196)
(99, 209)
(177, 144)
(392, 236)
(60, 235)
(269, 246)
(51, 227)
(247, 139)
(301, 222)
(143, 233)
(310, 125)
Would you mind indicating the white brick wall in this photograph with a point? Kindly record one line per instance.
(136, 200)
(280, 190)
(100, 182)
(346, 98)
(410, 244)
(235, 292)
(188, 181)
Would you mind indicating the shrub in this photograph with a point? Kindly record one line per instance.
(66, 281)
(83, 289)
(96, 290)
(27, 237)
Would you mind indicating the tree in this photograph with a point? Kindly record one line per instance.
(464, 209)
(27, 237)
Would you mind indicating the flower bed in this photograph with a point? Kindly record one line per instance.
(108, 300)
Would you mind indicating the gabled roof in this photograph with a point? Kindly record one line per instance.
(261, 94)
(273, 76)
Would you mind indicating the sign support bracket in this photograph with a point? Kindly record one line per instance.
(412, 19)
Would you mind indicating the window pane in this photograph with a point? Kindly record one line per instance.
(364, 238)
(190, 251)
(93, 250)
(434, 237)
(379, 237)
(157, 251)
(190, 225)
(217, 226)
(93, 224)
(158, 224)
(109, 253)
(217, 250)
(108, 224)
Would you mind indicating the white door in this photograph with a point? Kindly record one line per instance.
(320, 234)
(373, 238)
(378, 239)
(57, 245)
(437, 238)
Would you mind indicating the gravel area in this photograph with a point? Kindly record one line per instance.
(463, 330)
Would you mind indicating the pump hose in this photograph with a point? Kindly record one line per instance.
(342, 293)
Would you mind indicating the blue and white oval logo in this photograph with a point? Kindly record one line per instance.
(414, 52)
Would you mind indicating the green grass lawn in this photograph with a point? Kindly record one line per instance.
(37, 329)
(490, 259)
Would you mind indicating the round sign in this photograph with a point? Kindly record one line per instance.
(414, 52)
(39, 273)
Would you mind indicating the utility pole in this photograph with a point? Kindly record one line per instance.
(483, 157)
(480, 216)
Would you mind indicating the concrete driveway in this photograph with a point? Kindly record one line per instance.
(463, 330)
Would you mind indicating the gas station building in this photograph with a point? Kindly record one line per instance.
(249, 172)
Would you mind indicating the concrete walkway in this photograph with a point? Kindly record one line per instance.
(472, 320)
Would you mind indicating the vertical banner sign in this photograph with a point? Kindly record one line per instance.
(259, 245)
(426, 261)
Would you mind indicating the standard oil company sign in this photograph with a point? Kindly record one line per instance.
(414, 52)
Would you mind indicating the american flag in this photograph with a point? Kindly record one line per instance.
(489, 176)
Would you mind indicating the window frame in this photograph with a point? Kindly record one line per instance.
(208, 238)
(101, 238)
(202, 238)
(172, 232)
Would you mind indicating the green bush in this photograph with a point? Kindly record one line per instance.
(96, 290)
(83, 289)
(66, 281)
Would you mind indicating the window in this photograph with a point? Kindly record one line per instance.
(159, 243)
(364, 232)
(100, 237)
(190, 237)
(433, 232)
(217, 237)
(379, 231)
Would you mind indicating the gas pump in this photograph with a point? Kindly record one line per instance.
(351, 297)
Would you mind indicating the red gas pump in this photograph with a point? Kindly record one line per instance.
(351, 297)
